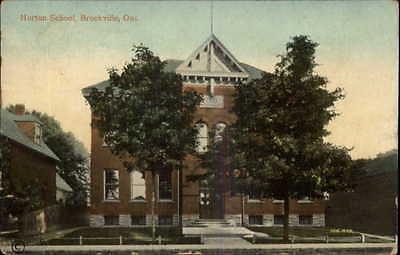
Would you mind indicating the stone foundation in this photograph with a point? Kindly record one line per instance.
(96, 220)
(268, 220)
(188, 219)
(319, 220)
(234, 219)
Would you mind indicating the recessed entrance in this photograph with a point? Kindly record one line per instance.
(211, 200)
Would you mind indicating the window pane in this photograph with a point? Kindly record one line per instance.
(165, 185)
(138, 186)
(255, 219)
(111, 220)
(111, 185)
(165, 220)
(138, 220)
(202, 137)
(305, 220)
(278, 219)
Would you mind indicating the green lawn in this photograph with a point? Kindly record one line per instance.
(303, 231)
(109, 236)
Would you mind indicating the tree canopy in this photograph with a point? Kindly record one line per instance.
(145, 115)
(281, 126)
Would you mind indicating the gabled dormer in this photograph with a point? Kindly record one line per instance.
(212, 63)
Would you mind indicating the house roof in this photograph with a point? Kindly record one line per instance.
(27, 117)
(171, 66)
(10, 129)
(61, 184)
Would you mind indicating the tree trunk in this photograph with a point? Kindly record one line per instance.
(286, 219)
(180, 199)
(153, 204)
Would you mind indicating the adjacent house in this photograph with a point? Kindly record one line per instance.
(119, 198)
(31, 164)
(63, 190)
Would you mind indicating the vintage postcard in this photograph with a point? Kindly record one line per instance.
(199, 127)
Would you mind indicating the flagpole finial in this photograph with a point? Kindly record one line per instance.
(212, 17)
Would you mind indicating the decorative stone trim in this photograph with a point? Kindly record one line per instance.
(234, 219)
(148, 219)
(318, 220)
(246, 219)
(268, 220)
(188, 219)
(96, 220)
(294, 220)
(175, 220)
(124, 220)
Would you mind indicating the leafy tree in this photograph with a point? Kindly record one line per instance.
(146, 116)
(279, 132)
(73, 165)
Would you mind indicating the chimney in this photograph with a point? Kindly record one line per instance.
(19, 109)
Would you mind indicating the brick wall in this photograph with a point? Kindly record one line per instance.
(29, 167)
(232, 205)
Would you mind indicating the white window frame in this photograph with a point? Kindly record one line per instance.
(219, 131)
(132, 184)
(104, 186)
(200, 137)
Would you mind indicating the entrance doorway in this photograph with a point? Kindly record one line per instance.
(211, 200)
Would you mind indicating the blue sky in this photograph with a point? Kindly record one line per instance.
(45, 64)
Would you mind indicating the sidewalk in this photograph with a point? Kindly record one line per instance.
(215, 246)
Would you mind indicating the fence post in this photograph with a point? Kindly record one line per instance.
(362, 238)
(120, 240)
(80, 240)
(327, 238)
(159, 239)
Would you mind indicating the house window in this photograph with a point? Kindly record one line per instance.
(138, 186)
(111, 184)
(138, 220)
(255, 219)
(219, 131)
(278, 219)
(202, 137)
(38, 134)
(111, 220)
(305, 220)
(165, 220)
(164, 186)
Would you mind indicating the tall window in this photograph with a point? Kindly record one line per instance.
(219, 131)
(164, 186)
(202, 137)
(38, 134)
(138, 186)
(111, 184)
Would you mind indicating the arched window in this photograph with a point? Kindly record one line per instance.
(202, 137)
(219, 131)
(138, 186)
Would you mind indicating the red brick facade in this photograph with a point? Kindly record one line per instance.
(103, 159)
(213, 71)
